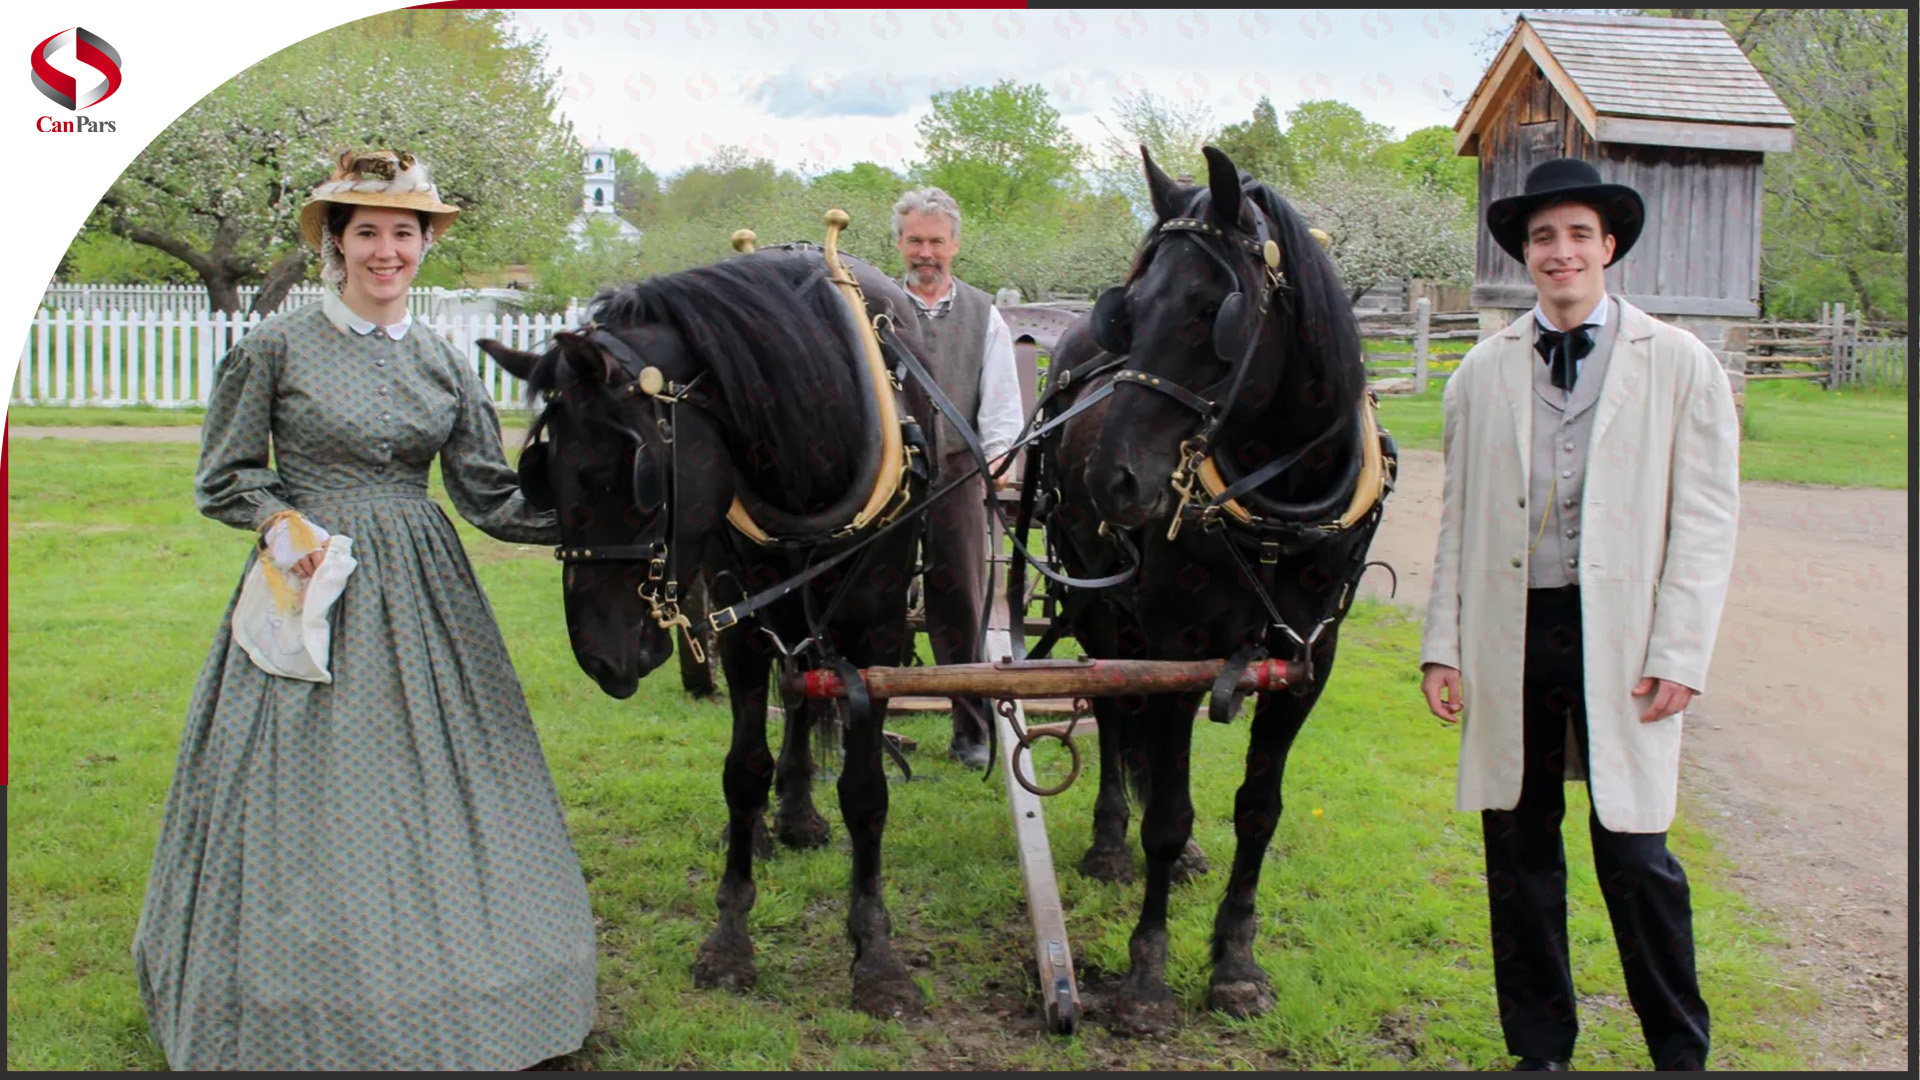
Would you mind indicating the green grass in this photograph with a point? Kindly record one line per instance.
(1796, 433)
(150, 416)
(93, 416)
(1373, 920)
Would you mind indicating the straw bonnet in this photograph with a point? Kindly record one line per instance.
(376, 178)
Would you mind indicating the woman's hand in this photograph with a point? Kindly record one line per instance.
(309, 562)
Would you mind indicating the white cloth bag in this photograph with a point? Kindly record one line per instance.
(293, 644)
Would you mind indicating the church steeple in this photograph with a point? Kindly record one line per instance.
(597, 179)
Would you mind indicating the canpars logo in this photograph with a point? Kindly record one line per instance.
(90, 49)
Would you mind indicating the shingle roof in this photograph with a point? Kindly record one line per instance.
(1680, 82)
(1662, 69)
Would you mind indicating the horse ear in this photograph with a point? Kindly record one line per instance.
(1159, 188)
(518, 364)
(590, 365)
(1223, 182)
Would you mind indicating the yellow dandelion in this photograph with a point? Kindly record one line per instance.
(1317, 812)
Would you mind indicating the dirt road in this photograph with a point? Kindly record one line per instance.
(1796, 757)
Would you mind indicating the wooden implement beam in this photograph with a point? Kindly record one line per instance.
(1041, 678)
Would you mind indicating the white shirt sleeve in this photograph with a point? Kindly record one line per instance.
(1002, 413)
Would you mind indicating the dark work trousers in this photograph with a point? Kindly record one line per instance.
(956, 585)
(1645, 889)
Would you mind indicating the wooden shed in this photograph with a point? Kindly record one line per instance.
(1671, 107)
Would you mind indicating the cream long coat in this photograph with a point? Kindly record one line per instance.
(1659, 513)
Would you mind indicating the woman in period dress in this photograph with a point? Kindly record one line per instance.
(371, 873)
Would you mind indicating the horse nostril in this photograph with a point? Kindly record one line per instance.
(1122, 485)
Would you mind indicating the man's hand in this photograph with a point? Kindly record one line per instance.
(1669, 697)
(1441, 685)
(1004, 480)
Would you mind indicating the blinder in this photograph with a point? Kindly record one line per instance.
(1235, 325)
(1113, 321)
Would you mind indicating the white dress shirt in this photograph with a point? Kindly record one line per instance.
(1002, 414)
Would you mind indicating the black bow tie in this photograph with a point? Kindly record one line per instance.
(1561, 351)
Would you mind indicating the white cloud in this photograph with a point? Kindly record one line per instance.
(678, 82)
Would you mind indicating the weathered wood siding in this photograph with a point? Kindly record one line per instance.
(1697, 254)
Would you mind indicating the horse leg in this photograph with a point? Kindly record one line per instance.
(1144, 1005)
(881, 985)
(1239, 987)
(725, 959)
(796, 822)
(1109, 859)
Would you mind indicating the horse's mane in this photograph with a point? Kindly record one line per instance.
(771, 332)
(1324, 329)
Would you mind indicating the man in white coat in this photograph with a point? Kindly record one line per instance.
(1586, 541)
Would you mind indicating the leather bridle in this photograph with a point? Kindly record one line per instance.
(654, 542)
(1235, 334)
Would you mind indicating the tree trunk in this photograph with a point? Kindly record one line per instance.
(223, 289)
(282, 276)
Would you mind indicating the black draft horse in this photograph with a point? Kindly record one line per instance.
(743, 379)
(1231, 343)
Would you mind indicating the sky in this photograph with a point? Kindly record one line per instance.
(816, 90)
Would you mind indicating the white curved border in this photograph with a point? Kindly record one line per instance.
(174, 55)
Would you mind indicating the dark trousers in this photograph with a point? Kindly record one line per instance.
(956, 585)
(1645, 889)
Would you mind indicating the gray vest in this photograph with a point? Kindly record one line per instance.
(955, 346)
(1562, 430)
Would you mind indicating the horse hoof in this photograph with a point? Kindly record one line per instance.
(725, 968)
(883, 990)
(1111, 865)
(1240, 998)
(1191, 864)
(802, 832)
(1128, 1014)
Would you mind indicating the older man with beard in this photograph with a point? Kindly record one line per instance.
(969, 351)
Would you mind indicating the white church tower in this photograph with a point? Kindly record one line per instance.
(597, 191)
(597, 183)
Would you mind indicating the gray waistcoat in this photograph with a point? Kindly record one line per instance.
(955, 346)
(1562, 428)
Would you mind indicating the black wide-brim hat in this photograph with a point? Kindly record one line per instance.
(1567, 180)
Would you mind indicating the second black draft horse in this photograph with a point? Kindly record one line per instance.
(730, 417)
(1238, 456)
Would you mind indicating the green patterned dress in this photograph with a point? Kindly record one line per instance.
(372, 873)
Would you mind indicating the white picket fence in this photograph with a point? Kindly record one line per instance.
(182, 299)
(168, 359)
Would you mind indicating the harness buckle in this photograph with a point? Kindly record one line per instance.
(722, 619)
(1269, 552)
(657, 569)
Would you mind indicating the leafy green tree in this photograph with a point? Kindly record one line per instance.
(636, 190)
(220, 189)
(731, 177)
(1331, 133)
(97, 255)
(1259, 147)
(1426, 157)
(997, 149)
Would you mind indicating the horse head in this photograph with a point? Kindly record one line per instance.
(1228, 288)
(640, 486)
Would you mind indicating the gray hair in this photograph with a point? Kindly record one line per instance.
(926, 200)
